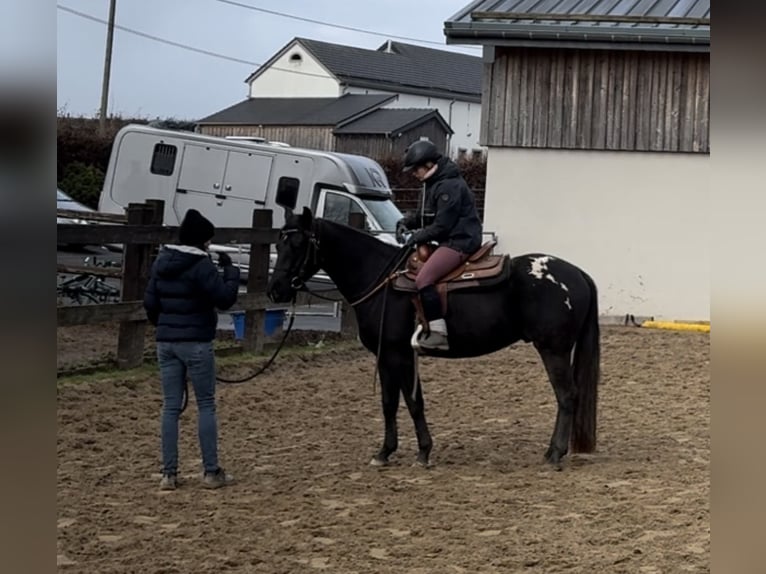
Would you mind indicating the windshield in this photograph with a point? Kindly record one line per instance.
(385, 211)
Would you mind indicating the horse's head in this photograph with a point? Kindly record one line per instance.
(297, 257)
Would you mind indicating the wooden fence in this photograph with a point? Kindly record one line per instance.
(140, 231)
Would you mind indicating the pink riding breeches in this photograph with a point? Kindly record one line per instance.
(441, 262)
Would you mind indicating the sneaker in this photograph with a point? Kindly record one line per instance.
(434, 341)
(217, 479)
(168, 482)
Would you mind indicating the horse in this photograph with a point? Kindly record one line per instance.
(538, 298)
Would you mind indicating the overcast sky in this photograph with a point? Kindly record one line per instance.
(150, 79)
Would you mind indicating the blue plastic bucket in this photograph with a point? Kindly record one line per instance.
(274, 320)
(238, 319)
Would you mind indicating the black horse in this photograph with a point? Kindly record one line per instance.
(543, 300)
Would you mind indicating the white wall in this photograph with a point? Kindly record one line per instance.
(465, 116)
(313, 82)
(636, 222)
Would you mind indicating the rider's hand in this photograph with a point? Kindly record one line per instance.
(412, 240)
(401, 230)
(224, 260)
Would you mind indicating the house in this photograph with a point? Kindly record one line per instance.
(421, 92)
(596, 116)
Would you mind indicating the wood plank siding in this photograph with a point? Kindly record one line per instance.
(597, 99)
(312, 137)
(379, 145)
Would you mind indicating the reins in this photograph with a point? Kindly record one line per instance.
(387, 275)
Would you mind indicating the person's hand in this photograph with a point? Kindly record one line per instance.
(401, 230)
(412, 240)
(224, 260)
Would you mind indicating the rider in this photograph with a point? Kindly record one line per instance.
(447, 216)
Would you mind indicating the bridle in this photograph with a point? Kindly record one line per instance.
(312, 259)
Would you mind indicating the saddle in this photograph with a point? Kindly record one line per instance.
(482, 269)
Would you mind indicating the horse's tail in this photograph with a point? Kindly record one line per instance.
(587, 370)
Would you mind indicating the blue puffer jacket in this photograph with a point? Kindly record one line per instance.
(184, 291)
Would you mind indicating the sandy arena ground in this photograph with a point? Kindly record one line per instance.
(299, 438)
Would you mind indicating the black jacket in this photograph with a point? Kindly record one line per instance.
(184, 291)
(450, 212)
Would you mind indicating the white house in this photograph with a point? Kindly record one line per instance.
(597, 122)
(420, 78)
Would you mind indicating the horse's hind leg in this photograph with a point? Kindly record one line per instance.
(559, 369)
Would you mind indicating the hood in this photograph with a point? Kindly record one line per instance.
(447, 169)
(173, 260)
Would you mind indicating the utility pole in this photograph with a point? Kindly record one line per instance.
(107, 69)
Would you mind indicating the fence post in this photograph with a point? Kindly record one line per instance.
(257, 281)
(136, 264)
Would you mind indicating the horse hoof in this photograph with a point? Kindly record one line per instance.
(422, 462)
(377, 461)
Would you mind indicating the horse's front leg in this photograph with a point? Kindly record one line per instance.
(398, 373)
(416, 407)
(389, 394)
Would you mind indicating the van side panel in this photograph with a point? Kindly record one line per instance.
(132, 180)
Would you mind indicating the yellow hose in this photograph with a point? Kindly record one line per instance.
(678, 326)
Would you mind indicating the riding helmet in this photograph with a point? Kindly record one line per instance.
(419, 153)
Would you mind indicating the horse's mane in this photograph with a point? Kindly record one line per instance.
(356, 239)
(377, 257)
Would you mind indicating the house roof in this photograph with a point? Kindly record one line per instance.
(398, 67)
(297, 111)
(390, 121)
(652, 24)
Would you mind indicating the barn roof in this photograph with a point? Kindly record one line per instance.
(652, 24)
(397, 67)
(390, 121)
(297, 111)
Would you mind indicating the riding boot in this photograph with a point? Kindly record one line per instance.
(432, 309)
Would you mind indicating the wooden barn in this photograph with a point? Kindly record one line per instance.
(596, 115)
(353, 123)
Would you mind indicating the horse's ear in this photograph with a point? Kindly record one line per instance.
(306, 218)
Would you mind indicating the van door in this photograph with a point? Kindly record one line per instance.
(202, 169)
(247, 176)
(338, 206)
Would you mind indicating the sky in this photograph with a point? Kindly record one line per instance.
(150, 79)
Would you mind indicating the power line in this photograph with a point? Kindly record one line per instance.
(179, 45)
(330, 25)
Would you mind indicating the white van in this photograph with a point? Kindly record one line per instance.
(225, 179)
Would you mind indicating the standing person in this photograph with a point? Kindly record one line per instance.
(449, 217)
(181, 298)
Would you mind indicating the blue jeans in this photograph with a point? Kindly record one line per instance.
(176, 360)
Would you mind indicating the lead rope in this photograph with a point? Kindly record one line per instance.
(380, 339)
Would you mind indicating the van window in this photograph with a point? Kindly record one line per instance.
(339, 207)
(163, 159)
(287, 192)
